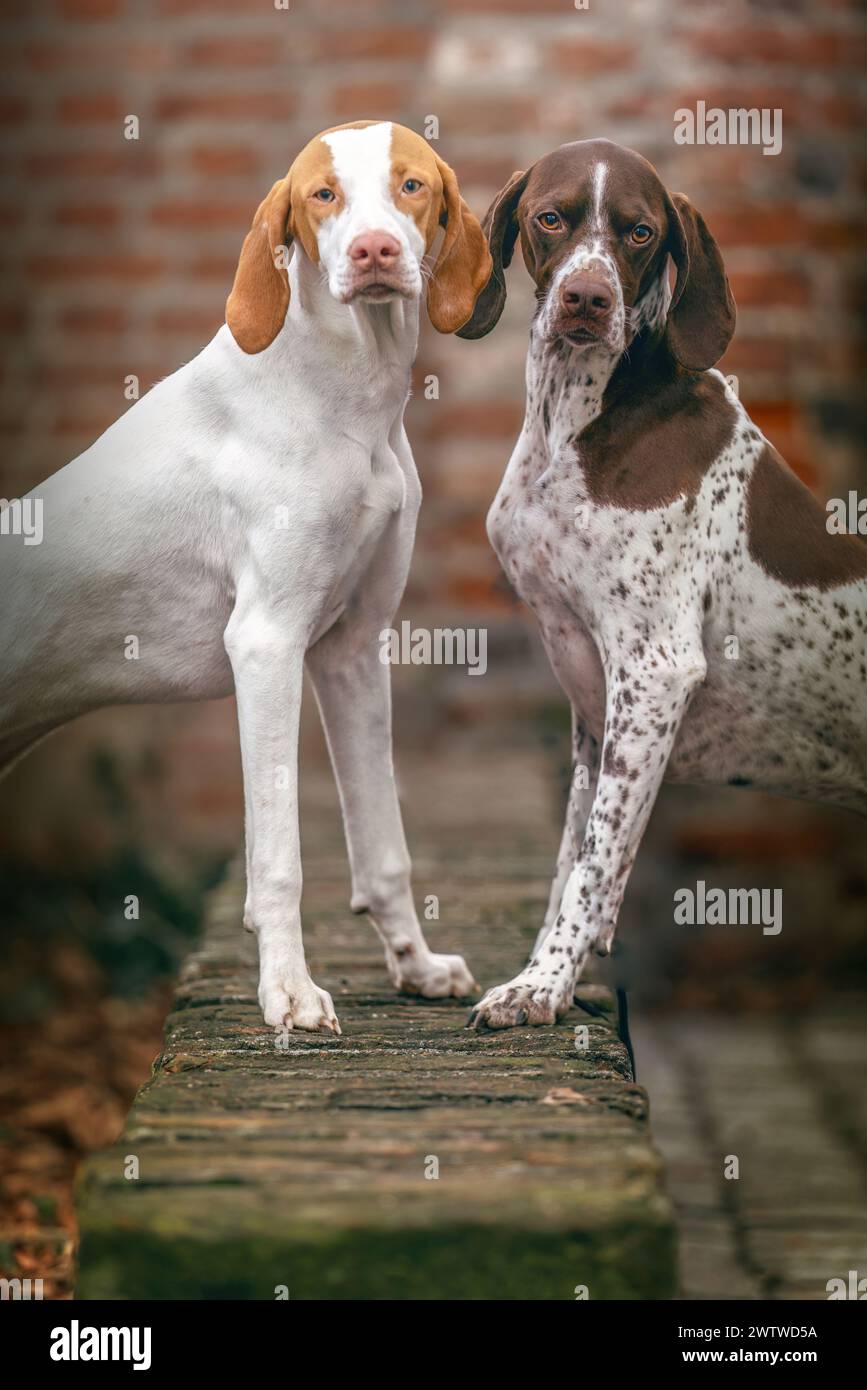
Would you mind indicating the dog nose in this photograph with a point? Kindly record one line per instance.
(586, 296)
(374, 251)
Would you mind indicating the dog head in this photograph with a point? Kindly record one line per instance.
(597, 227)
(365, 202)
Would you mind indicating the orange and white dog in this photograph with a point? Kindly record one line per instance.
(256, 511)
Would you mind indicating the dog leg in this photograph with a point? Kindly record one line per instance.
(643, 716)
(353, 689)
(268, 668)
(585, 770)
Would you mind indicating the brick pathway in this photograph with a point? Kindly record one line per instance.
(788, 1100)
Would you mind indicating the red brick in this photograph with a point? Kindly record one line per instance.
(759, 354)
(189, 322)
(90, 9)
(491, 115)
(228, 53)
(225, 159)
(89, 108)
(197, 212)
(87, 164)
(255, 105)
(770, 287)
(98, 57)
(370, 100)
(589, 56)
(13, 110)
(85, 319)
(493, 419)
(217, 268)
(400, 41)
(759, 224)
(842, 111)
(88, 214)
(526, 7)
(129, 267)
(85, 428)
(13, 318)
(804, 46)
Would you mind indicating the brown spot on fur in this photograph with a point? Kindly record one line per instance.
(654, 442)
(787, 531)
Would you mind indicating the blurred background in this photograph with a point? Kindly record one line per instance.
(119, 256)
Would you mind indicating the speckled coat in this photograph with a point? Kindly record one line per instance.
(704, 624)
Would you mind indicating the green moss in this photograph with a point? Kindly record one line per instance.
(630, 1261)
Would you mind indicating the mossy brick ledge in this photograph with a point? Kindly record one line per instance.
(306, 1168)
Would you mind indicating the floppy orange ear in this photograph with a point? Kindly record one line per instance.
(257, 306)
(463, 266)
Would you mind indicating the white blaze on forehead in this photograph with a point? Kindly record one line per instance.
(362, 162)
(600, 173)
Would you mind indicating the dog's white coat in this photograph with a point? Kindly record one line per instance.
(172, 529)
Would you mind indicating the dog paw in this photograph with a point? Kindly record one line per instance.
(432, 976)
(306, 1007)
(525, 1000)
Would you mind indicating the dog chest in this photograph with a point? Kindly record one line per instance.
(533, 526)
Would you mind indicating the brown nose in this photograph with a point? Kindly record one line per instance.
(586, 296)
(374, 251)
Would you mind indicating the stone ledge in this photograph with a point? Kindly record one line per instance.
(305, 1167)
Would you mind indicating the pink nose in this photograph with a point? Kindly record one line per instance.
(374, 251)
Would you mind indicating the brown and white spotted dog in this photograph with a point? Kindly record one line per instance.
(647, 522)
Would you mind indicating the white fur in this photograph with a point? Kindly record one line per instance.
(170, 529)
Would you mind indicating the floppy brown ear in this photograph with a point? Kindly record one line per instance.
(701, 316)
(500, 226)
(257, 306)
(463, 264)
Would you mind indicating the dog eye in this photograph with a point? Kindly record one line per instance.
(641, 234)
(550, 221)
(325, 195)
(411, 186)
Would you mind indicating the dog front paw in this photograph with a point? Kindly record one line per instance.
(432, 976)
(305, 1006)
(530, 998)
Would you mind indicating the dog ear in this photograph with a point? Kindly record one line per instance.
(500, 226)
(257, 305)
(701, 316)
(463, 265)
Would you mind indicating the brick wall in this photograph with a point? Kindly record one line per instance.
(121, 252)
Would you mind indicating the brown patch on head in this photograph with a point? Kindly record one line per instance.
(312, 172)
(787, 530)
(413, 158)
(564, 182)
(256, 307)
(650, 446)
(562, 188)
(463, 266)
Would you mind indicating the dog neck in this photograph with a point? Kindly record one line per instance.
(568, 387)
(386, 333)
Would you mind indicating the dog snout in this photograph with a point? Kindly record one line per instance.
(586, 297)
(374, 251)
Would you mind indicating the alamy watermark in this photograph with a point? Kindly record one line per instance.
(846, 515)
(712, 907)
(22, 516)
(439, 646)
(739, 125)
